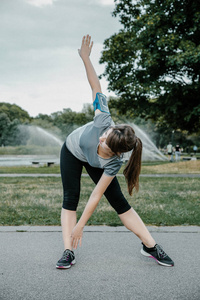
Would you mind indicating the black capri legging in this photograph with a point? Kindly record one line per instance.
(71, 169)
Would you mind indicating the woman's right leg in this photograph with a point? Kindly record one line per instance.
(71, 169)
(68, 222)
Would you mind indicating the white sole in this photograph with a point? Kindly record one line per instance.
(149, 255)
(66, 267)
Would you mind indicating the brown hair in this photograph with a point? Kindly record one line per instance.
(123, 139)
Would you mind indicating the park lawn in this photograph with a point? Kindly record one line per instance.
(186, 167)
(160, 201)
(182, 167)
(30, 170)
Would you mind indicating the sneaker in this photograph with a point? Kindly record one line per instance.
(67, 260)
(158, 254)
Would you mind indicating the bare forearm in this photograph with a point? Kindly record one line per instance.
(91, 75)
(84, 53)
(95, 197)
(89, 209)
(77, 232)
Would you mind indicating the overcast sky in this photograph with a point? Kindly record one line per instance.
(40, 69)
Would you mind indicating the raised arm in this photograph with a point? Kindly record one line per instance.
(84, 53)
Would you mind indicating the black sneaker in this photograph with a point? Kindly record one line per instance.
(67, 260)
(158, 254)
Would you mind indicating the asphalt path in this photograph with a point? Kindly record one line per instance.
(108, 266)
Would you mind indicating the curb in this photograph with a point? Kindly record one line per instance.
(163, 229)
(85, 175)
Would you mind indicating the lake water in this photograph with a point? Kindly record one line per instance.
(27, 160)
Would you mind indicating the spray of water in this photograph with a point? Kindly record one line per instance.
(36, 135)
(48, 135)
(39, 136)
(150, 152)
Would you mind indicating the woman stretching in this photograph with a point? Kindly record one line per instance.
(99, 146)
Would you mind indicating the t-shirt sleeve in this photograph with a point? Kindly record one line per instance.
(113, 167)
(103, 120)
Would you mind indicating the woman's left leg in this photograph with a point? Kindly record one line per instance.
(134, 223)
(128, 216)
(131, 219)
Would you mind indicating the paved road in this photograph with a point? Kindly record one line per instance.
(109, 265)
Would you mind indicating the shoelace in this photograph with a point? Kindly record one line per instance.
(66, 255)
(161, 252)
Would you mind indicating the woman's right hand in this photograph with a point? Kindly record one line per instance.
(86, 47)
(76, 236)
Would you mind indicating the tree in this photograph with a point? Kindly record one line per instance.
(8, 130)
(68, 120)
(13, 112)
(153, 63)
(11, 116)
(88, 110)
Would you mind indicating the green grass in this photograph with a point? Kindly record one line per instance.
(30, 170)
(187, 167)
(160, 201)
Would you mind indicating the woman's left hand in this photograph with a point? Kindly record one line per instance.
(77, 234)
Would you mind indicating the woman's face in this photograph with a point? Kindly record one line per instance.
(102, 140)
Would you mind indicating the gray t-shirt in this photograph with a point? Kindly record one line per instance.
(84, 141)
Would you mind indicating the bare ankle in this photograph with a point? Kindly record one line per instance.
(149, 244)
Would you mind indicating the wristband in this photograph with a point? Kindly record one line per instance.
(100, 103)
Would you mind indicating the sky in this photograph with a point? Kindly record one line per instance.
(40, 68)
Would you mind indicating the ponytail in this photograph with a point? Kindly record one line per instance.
(133, 167)
(122, 139)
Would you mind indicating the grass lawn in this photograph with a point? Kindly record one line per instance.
(160, 201)
(30, 170)
(187, 167)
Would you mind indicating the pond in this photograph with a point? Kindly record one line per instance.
(27, 160)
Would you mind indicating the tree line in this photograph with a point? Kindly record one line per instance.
(60, 123)
(63, 122)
